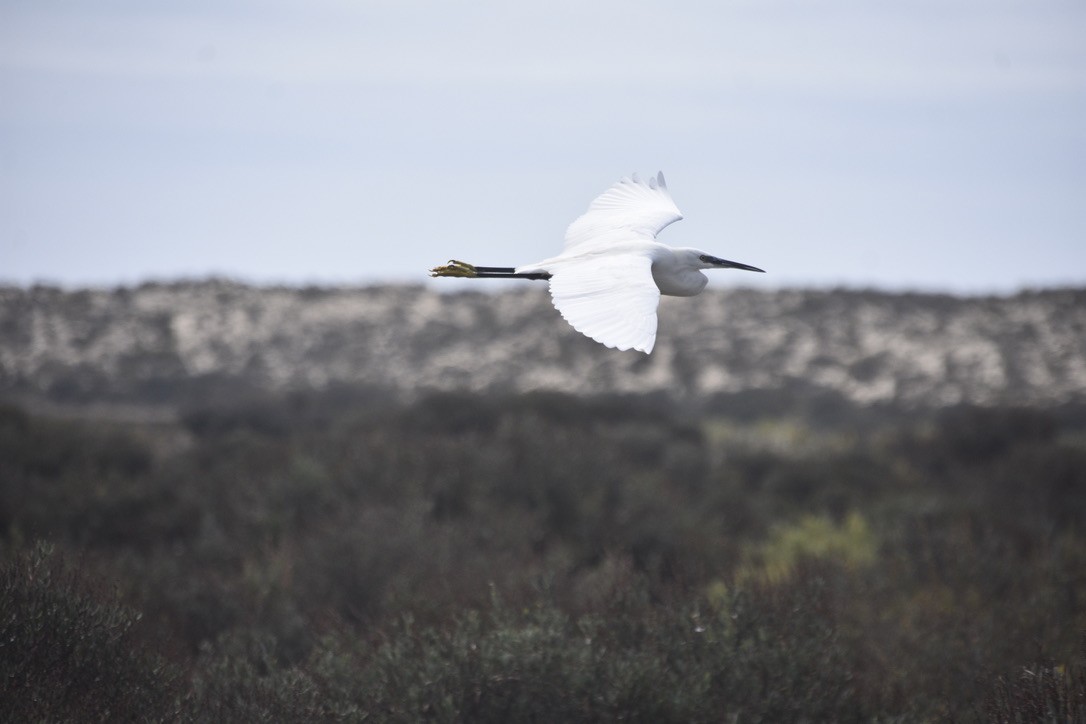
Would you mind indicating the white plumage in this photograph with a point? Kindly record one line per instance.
(609, 277)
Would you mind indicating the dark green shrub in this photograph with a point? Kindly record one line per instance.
(274, 547)
(771, 654)
(970, 434)
(70, 653)
(240, 679)
(1043, 692)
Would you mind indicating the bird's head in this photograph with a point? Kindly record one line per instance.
(702, 260)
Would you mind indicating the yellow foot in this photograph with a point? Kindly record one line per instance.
(454, 269)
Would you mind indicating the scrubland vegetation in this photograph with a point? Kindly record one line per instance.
(335, 556)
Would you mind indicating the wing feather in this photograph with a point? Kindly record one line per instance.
(610, 298)
(631, 205)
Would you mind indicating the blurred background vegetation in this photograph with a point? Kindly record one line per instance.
(337, 555)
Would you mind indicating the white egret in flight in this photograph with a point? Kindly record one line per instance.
(608, 280)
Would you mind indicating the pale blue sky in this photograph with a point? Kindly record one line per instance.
(910, 145)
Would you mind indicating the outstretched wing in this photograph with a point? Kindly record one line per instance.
(631, 206)
(611, 298)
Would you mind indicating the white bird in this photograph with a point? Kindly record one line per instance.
(609, 277)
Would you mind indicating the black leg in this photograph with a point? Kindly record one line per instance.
(511, 275)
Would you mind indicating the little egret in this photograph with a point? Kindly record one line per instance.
(609, 277)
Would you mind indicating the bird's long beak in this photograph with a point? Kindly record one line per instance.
(725, 264)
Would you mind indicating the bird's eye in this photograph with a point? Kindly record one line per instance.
(707, 259)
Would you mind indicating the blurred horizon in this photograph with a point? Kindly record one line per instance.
(447, 286)
(934, 147)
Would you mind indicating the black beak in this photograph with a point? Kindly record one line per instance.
(725, 264)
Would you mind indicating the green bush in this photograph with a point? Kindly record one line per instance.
(1042, 692)
(68, 652)
(337, 556)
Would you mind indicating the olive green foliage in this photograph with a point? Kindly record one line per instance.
(340, 557)
(70, 652)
